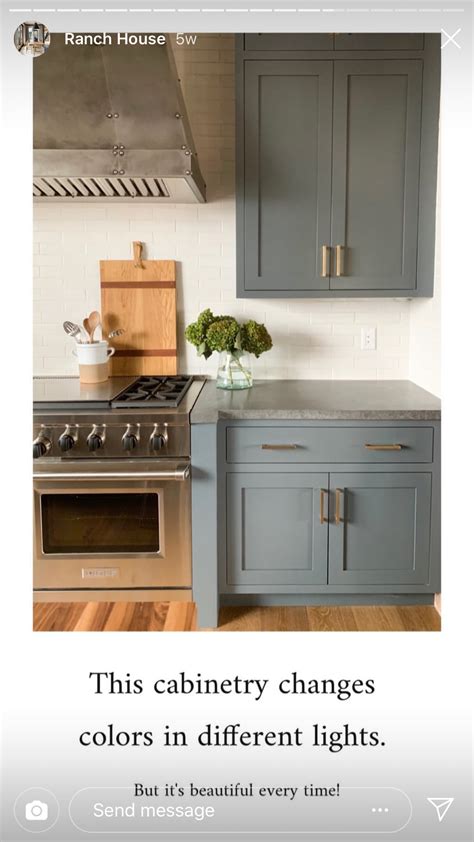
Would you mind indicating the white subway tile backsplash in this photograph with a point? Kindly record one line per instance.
(49, 259)
(50, 272)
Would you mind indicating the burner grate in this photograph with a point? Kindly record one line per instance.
(154, 391)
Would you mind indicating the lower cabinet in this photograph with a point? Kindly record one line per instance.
(380, 529)
(274, 532)
(315, 512)
(332, 528)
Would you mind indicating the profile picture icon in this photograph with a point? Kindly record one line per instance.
(32, 39)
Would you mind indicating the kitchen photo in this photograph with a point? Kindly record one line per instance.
(237, 306)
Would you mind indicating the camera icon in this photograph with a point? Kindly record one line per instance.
(36, 811)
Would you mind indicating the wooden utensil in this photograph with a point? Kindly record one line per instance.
(94, 322)
(142, 295)
(87, 328)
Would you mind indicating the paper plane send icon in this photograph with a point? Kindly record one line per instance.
(441, 806)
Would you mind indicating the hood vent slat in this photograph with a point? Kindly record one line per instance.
(68, 188)
(90, 185)
(57, 186)
(152, 186)
(104, 185)
(141, 186)
(119, 188)
(79, 186)
(42, 184)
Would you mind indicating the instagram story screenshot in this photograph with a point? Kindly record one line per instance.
(237, 278)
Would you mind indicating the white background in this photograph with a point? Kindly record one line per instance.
(423, 697)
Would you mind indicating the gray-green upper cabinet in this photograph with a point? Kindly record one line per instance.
(287, 178)
(376, 174)
(336, 168)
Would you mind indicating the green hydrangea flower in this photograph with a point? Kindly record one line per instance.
(211, 333)
(255, 338)
(196, 332)
(222, 334)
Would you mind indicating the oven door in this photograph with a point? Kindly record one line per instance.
(112, 525)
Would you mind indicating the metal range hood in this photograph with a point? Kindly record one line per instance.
(110, 124)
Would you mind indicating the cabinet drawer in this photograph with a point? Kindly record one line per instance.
(370, 445)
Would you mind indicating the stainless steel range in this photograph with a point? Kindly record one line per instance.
(112, 488)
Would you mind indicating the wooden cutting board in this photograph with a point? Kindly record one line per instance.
(140, 296)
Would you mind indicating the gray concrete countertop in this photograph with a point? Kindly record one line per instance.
(318, 400)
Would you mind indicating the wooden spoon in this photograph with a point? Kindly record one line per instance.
(94, 322)
(87, 328)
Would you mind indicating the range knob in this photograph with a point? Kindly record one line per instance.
(95, 440)
(129, 440)
(158, 440)
(41, 446)
(66, 440)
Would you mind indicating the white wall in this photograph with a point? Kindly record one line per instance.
(425, 342)
(319, 339)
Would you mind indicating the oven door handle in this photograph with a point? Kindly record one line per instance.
(180, 474)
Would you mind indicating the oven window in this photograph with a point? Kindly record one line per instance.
(100, 523)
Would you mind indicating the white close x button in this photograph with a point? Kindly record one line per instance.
(451, 39)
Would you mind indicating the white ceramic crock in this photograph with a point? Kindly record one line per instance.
(93, 358)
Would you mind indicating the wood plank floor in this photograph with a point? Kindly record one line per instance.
(331, 618)
(181, 617)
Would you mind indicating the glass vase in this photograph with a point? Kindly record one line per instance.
(234, 370)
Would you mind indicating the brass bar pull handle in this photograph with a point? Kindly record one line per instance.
(383, 446)
(325, 255)
(279, 446)
(338, 518)
(322, 495)
(339, 261)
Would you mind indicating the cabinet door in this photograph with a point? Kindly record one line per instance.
(287, 174)
(274, 531)
(377, 124)
(383, 533)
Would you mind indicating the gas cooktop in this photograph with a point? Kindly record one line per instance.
(145, 391)
(153, 391)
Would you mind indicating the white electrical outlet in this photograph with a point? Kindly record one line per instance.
(368, 338)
